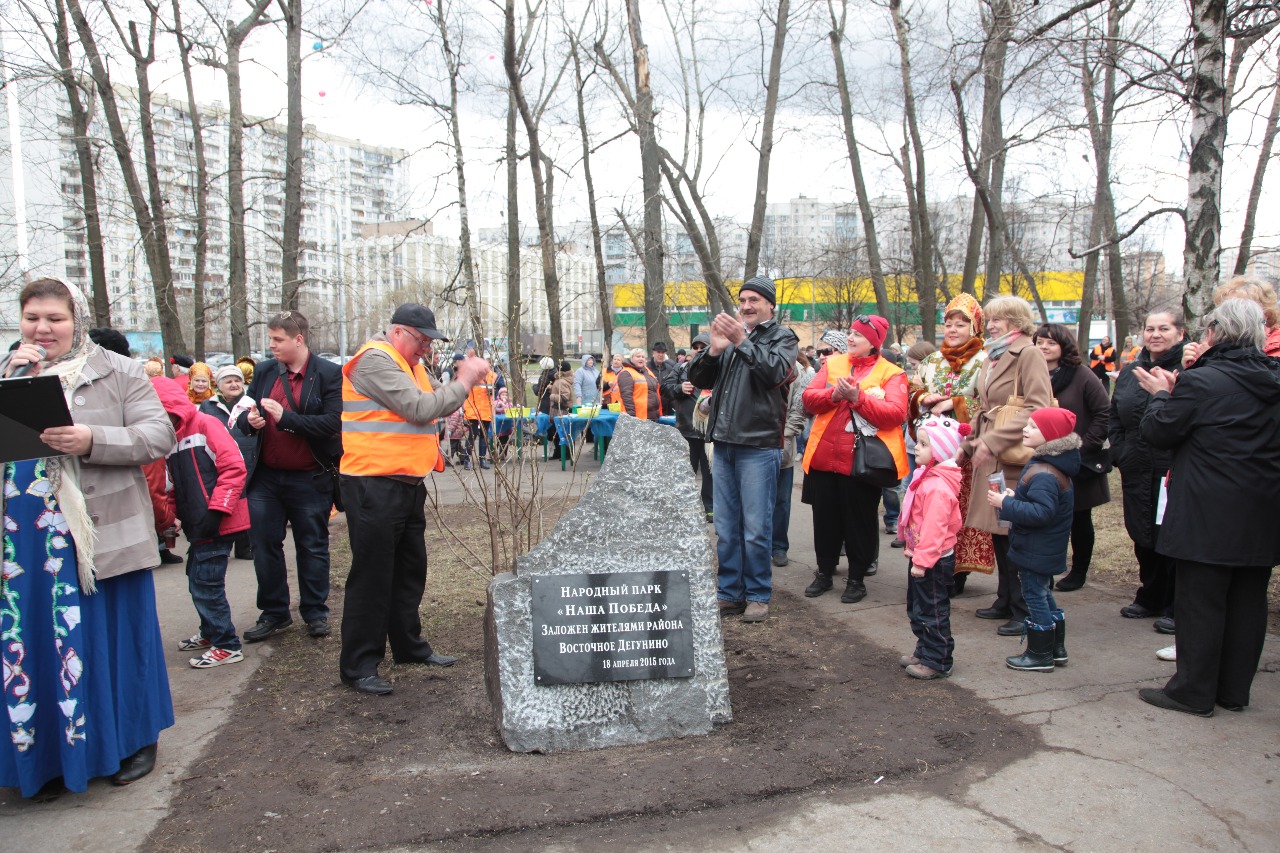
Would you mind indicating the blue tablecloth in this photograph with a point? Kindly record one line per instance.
(569, 427)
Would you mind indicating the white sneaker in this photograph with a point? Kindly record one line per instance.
(1168, 653)
(196, 644)
(217, 657)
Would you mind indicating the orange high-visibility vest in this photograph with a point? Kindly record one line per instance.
(479, 403)
(611, 379)
(377, 442)
(1106, 357)
(640, 392)
(840, 367)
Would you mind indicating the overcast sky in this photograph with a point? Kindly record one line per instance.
(809, 155)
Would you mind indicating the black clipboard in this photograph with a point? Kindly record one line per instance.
(28, 406)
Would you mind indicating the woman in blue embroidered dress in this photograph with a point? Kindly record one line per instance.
(85, 688)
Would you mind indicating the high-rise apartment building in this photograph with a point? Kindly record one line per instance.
(346, 185)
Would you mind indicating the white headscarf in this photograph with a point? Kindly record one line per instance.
(64, 471)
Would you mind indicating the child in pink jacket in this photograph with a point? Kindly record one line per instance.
(928, 526)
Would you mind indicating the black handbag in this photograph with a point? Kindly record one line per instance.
(1095, 462)
(873, 462)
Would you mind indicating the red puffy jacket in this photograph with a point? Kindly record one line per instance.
(834, 444)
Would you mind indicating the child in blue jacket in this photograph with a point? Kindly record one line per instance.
(1040, 511)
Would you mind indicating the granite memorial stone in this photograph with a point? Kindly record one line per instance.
(607, 632)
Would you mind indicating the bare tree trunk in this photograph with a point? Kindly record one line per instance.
(1100, 115)
(291, 284)
(922, 231)
(602, 286)
(655, 316)
(855, 162)
(1115, 271)
(766, 140)
(1085, 324)
(1204, 171)
(515, 307)
(202, 188)
(88, 175)
(237, 252)
(452, 63)
(996, 222)
(692, 214)
(1259, 174)
(151, 223)
(542, 184)
(993, 150)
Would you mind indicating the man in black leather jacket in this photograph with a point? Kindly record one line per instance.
(748, 367)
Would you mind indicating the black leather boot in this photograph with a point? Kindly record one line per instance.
(1073, 581)
(854, 591)
(136, 766)
(821, 583)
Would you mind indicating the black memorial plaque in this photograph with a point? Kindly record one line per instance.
(618, 626)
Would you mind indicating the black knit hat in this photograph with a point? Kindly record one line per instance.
(763, 286)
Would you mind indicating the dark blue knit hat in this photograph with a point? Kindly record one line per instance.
(763, 286)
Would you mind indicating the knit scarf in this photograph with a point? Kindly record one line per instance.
(959, 356)
(999, 346)
(1060, 377)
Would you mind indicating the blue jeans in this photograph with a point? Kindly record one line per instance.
(1040, 604)
(275, 497)
(782, 509)
(207, 581)
(929, 607)
(892, 504)
(746, 483)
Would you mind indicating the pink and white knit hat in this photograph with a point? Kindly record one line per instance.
(944, 436)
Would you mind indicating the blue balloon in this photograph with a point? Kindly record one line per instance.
(318, 46)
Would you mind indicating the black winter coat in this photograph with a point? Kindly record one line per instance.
(1141, 465)
(1222, 423)
(750, 386)
(319, 419)
(682, 403)
(1085, 398)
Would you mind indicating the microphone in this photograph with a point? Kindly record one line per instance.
(26, 368)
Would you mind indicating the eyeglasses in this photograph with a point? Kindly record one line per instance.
(423, 342)
(826, 351)
(863, 318)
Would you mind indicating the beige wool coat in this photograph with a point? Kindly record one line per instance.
(116, 400)
(1024, 363)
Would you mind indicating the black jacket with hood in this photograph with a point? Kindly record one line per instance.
(1222, 423)
(1140, 464)
(749, 386)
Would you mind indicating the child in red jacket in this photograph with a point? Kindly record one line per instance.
(208, 475)
(928, 526)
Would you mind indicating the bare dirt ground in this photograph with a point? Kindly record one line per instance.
(305, 764)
